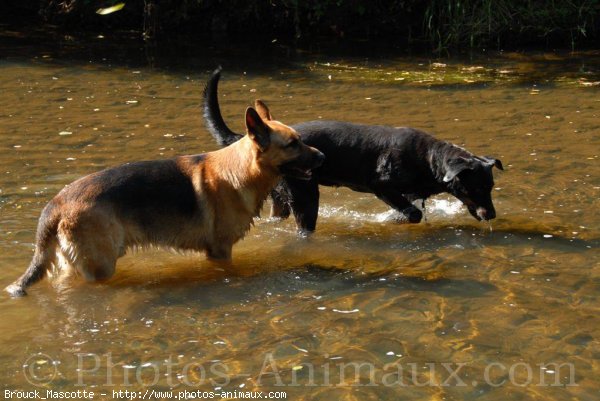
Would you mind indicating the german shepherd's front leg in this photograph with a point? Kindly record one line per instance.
(219, 252)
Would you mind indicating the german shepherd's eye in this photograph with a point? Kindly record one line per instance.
(294, 143)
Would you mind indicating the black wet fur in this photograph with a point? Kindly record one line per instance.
(398, 165)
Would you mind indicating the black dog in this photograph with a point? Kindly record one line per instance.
(398, 165)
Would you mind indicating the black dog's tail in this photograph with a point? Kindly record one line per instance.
(212, 113)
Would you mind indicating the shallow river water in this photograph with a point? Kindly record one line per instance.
(365, 308)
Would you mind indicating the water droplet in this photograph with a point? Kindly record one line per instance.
(346, 311)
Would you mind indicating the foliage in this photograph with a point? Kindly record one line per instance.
(451, 23)
(440, 24)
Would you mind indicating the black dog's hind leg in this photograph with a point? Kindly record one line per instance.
(280, 208)
(305, 203)
(396, 200)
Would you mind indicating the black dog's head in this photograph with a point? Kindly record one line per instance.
(470, 179)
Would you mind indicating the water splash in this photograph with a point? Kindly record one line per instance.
(446, 207)
(436, 207)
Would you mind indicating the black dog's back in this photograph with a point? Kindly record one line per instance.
(354, 151)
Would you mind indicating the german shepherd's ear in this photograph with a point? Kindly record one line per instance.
(257, 129)
(263, 110)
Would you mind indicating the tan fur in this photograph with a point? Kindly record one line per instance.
(230, 186)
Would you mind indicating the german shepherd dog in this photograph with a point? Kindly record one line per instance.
(203, 202)
(398, 165)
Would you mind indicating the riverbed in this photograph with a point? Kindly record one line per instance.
(512, 308)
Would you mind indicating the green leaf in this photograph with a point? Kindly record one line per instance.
(110, 10)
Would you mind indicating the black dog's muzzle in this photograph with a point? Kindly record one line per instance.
(482, 213)
(302, 167)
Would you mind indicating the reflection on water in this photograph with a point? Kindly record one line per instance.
(363, 288)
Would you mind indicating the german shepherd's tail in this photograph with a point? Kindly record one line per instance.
(212, 113)
(44, 254)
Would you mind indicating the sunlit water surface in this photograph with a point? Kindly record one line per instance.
(363, 289)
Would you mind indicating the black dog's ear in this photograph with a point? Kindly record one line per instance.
(257, 129)
(455, 166)
(493, 162)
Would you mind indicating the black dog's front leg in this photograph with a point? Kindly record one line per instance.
(305, 203)
(396, 200)
(280, 208)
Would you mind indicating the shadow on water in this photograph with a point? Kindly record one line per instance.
(350, 63)
(323, 280)
(196, 282)
(539, 237)
(230, 290)
(435, 237)
(80, 309)
(327, 278)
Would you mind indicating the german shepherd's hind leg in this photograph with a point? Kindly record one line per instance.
(92, 245)
(96, 261)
